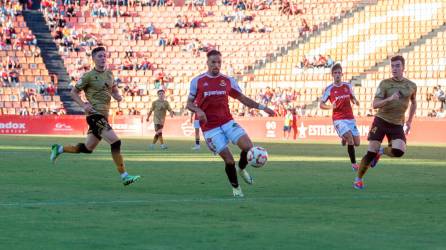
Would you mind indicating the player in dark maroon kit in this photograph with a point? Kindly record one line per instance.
(341, 96)
(210, 92)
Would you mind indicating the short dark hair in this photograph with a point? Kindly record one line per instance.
(398, 58)
(96, 50)
(335, 67)
(213, 52)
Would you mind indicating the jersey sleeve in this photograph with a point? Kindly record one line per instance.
(152, 107)
(326, 94)
(193, 89)
(82, 82)
(235, 88)
(380, 91)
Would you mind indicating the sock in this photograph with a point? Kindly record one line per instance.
(243, 160)
(351, 153)
(197, 141)
(119, 162)
(358, 179)
(70, 149)
(123, 175)
(232, 174)
(60, 149)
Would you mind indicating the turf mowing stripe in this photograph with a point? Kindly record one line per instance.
(207, 200)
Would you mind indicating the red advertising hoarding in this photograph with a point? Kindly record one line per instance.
(308, 129)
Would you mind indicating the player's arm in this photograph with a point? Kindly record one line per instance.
(115, 93)
(380, 97)
(193, 90)
(170, 110)
(324, 105)
(191, 117)
(75, 94)
(354, 100)
(192, 107)
(150, 111)
(250, 103)
(323, 102)
(412, 110)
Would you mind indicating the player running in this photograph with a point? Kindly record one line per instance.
(210, 91)
(392, 99)
(159, 108)
(98, 87)
(341, 96)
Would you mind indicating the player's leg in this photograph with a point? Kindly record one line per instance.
(93, 139)
(346, 129)
(397, 142)
(294, 132)
(375, 137)
(110, 136)
(237, 135)
(197, 135)
(217, 142)
(160, 136)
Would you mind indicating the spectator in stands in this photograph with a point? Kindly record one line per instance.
(440, 96)
(162, 41)
(5, 77)
(145, 64)
(30, 39)
(70, 11)
(150, 29)
(32, 95)
(330, 62)
(369, 113)
(179, 23)
(127, 64)
(321, 61)
(13, 77)
(24, 111)
(51, 90)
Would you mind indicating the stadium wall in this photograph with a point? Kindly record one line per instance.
(424, 130)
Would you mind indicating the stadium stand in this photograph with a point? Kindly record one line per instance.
(26, 87)
(284, 45)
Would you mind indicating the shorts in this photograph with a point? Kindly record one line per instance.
(158, 127)
(218, 138)
(97, 123)
(345, 125)
(196, 124)
(381, 128)
(286, 128)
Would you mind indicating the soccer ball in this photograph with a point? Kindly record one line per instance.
(257, 157)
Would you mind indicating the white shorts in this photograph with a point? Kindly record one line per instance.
(218, 138)
(196, 123)
(343, 126)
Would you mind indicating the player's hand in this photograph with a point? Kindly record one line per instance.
(395, 96)
(201, 116)
(88, 107)
(269, 111)
(407, 127)
(147, 120)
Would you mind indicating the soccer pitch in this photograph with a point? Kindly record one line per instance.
(302, 199)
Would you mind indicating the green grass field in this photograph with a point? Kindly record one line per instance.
(303, 199)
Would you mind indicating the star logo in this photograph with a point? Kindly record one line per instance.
(302, 131)
(205, 84)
